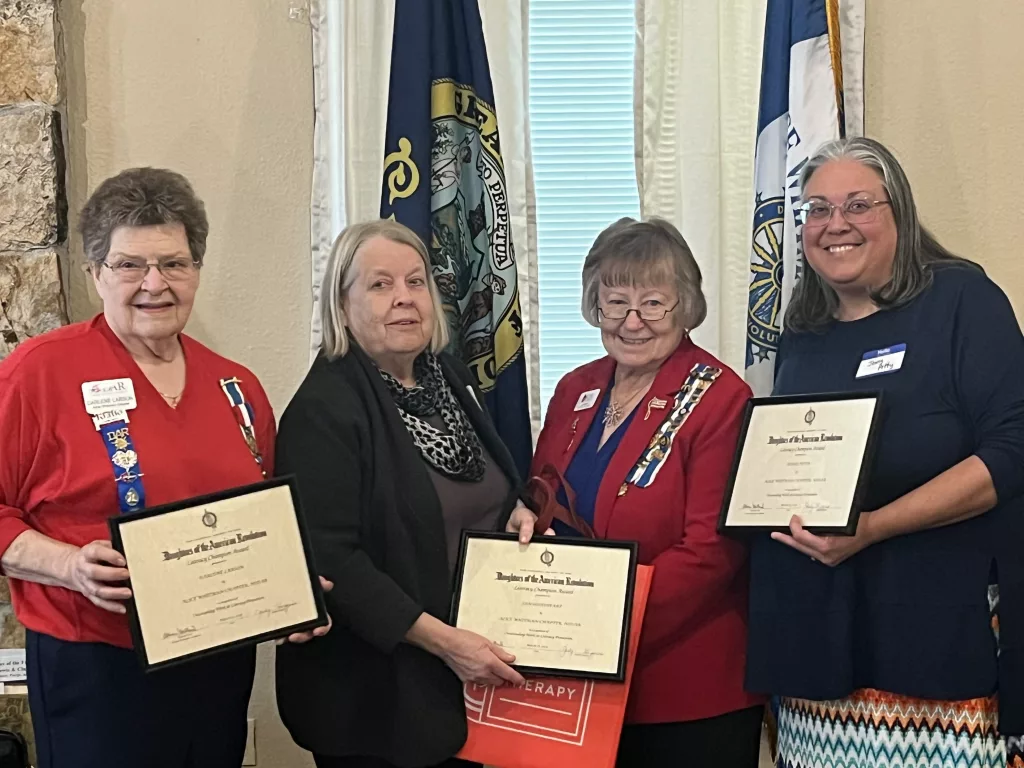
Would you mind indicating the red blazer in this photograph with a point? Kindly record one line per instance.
(693, 644)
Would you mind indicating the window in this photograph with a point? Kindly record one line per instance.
(581, 114)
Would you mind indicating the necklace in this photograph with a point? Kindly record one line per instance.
(616, 409)
(151, 369)
(172, 400)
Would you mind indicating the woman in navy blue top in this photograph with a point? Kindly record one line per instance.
(904, 643)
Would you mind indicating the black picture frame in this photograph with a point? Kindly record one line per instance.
(863, 471)
(138, 641)
(550, 541)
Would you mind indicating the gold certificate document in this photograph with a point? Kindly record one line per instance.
(222, 571)
(804, 456)
(560, 606)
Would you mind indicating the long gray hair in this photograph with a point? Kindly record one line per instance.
(814, 303)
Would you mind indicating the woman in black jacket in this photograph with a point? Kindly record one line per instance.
(394, 457)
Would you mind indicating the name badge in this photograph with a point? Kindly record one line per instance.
(885, 360)
(110, 417)
(587, 400)
(109, 395)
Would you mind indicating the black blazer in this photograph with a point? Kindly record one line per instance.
(377, 532)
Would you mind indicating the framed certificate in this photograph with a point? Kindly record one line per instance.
(804, 455)
(560, 606)
(218, 572)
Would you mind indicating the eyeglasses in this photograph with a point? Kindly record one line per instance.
(647, 314)
(135, 270)
(818, 213)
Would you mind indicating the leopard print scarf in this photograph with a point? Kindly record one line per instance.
(455, 453)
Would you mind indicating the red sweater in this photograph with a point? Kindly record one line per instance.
(56, 478)
(693, 643)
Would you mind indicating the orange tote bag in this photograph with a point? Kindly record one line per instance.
(554, 722)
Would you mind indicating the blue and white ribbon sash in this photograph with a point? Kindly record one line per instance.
(658, 450)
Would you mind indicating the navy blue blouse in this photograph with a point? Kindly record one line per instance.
(910, 615)
(588, 466)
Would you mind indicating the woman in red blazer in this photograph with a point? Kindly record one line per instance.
(645, 437)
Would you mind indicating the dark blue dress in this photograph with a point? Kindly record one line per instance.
(910, 615)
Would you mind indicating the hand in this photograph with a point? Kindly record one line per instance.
(829, 550)
(476, 659)
(90, 568)
(305, 637)
(522, 521)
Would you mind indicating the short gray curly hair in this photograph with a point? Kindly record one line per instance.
(142, 197)
(631, 252)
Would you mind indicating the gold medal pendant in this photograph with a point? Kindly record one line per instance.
(250, 440)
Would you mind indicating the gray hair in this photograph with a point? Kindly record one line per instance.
(814, 303)
(338, 277)
(142, 197)
(631, 252)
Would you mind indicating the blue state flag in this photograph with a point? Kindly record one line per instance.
(444, 178)
(801, 107)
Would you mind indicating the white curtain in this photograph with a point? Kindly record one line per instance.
(506, 25)
(852, 22)
(351, 63)
(698, 68)
(351, 68)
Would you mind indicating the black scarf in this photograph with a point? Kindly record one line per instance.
(456, 454)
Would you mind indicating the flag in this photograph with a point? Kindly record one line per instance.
(444, 178)
(803, 105)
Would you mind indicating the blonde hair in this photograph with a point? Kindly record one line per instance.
(338, 277)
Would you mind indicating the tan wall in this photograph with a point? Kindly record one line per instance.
(220, 90)
(945, 90)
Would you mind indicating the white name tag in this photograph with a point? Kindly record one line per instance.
(587, 400)
(110, 417)
(885, 360)
(109, 395)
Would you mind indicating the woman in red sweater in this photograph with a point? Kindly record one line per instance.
(144, 234)
(645, 438)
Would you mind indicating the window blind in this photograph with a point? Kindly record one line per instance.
(581, 123)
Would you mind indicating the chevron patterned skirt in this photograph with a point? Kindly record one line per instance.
(874, 729)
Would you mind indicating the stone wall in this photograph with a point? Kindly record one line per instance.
(33, 216)
(33, 208)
